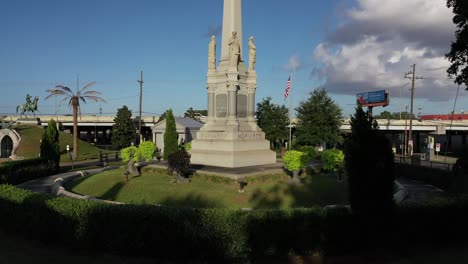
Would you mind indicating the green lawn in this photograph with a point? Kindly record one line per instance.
(29, 146)
(154, 186)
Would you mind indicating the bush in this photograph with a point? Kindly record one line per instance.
(19, 171)
(293, 160)
(310, 153)
(228, 234)
(188, 146)
(131, 152)
(332, 159)
(162, 232)
(147, 150)
(179, 163)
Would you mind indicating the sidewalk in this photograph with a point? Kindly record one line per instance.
(44, 184)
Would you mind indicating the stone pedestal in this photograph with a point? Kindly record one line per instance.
(232, 149)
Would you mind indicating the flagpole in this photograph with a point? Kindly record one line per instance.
(290, 113)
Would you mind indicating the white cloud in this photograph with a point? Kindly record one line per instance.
(379, 42)
(294, 64)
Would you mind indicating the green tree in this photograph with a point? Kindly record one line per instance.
(50, 147)
(170, 135)
(385, 115)
(123, 130)
(394, 115)
(319, 120)
(273, 120)
(370, 167)
(74, 99)
(162, 117)
(458, 54)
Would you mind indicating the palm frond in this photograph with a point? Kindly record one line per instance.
(82, 99)
(55, 92)
(87, 86)
(87, 93)
(64, 99)
(65, 88)
(94, 98)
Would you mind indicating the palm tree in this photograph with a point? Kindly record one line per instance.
(74, 103)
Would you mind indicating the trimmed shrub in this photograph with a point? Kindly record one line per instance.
(130, 153)
(228, 234)
(310, 152)
(162, 232)
(179, 163)
(293, 160)
(147, 150)
(188, 146)
(19, 171)
(332, 159)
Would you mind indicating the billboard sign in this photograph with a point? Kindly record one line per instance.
(374, 98)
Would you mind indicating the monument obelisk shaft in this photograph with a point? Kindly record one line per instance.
(232, 21)
(231, 136)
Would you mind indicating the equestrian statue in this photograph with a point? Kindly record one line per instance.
(29, 106)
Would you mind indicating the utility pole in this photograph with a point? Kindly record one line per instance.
(405, 135)
(141, 97)
(413, 78)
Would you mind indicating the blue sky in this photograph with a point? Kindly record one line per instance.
(52, 42)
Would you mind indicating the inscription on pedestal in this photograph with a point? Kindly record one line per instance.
(242, 106)
(247, 136)
(221, 105)
(231, 136)
(212, 136)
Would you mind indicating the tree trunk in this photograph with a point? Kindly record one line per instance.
(75, 127)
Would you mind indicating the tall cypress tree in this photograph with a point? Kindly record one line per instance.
(170, 135)
(370, 168)
(50, 147)
(123, 131)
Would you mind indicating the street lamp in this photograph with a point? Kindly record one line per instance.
(70, 155)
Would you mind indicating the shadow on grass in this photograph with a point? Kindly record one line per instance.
(112, 192)
(318, 189)
(72, 184)
(192, 201)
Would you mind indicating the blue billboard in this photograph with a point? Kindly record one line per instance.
(374, 98)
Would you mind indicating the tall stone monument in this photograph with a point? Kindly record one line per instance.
(231, 137)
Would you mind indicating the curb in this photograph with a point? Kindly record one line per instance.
(58, 190)
(401, 193)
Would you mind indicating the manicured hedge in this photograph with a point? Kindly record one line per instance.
(162, 232)
(236, 235)
(19, 171)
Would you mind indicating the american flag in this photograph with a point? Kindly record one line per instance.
(288, 86)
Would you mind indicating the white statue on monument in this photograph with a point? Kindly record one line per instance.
(234, 50)
(252, 54)
(212, 54)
